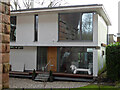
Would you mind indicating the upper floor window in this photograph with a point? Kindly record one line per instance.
(36, 27)
(13, 28)
(76, 26)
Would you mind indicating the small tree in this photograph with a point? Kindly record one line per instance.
(27, 4)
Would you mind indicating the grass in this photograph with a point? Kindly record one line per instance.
(96, 87)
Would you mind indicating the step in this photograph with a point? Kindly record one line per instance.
(42, 77)
(73, 79)
(21, 76)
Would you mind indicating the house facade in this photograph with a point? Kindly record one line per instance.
(56, 38)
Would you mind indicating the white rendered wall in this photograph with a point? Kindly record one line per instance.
(47, 31)
(102, 31)
(23, 57)
(98, 58)
(95, 62)
(48, 28)
(24, 29)
(102, 38)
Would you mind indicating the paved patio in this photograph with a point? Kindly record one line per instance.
(28, 83)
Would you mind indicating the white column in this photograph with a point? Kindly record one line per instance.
(95, 62)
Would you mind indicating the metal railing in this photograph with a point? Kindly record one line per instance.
(48, 64)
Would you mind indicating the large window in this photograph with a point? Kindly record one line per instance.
(13, 28)
(80, 57)
(36, 28)
(41, 58)
(76, 26)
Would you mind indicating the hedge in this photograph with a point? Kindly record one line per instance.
(113, 61)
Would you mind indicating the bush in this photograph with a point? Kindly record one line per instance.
(113, 61)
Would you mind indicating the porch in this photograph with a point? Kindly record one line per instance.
(57, 76)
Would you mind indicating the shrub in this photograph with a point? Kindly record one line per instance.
(113, 61)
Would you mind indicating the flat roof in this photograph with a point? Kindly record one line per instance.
(31, 9)
(99, 8)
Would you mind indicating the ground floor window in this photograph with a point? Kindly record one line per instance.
(80, 57)
(41, 58)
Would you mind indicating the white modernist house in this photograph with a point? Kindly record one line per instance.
(68, 39)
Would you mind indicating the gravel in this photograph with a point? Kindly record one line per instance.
(28, 83)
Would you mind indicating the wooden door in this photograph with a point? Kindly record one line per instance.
(52, 58)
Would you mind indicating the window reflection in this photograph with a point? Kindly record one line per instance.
(13, 28)
(80, 57)
(75, 26)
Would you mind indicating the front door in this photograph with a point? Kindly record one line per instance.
(52, 58)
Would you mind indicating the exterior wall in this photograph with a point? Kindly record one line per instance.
(102, 31)
(47, 31)
(48, 28)
(95, 62)
(102, 38)
(4, 43)
(98, 57)
(24, 29)
(101, 60)
(25, 58)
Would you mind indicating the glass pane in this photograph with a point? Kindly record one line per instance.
(13, 28)
(36, 28)
(87, 33)
(74, 56)
(68, 26)
(41, 58)
(76, 26)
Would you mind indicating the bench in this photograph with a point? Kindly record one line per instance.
(75, 69)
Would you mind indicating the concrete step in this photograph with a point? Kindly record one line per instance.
(73, 79)
(42, 77)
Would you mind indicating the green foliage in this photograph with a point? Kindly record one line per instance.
(113, 61)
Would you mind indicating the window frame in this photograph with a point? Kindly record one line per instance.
(80, 28)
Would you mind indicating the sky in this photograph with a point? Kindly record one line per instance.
(111, 7)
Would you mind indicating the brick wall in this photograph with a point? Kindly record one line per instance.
(4, 43)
